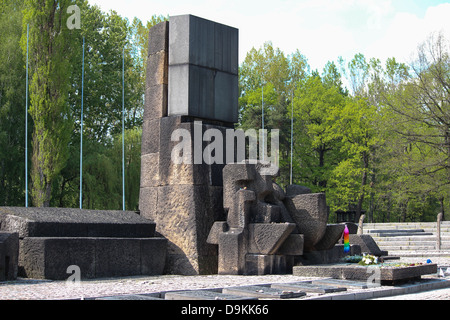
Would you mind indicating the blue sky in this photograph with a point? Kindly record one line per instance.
(322, 30)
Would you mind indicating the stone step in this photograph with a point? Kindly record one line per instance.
(69, 222)
(394, 230)
(410, 238)
(400, 234)
(444, 230)
(390, 249)
(423, 254)
(404, 224)
(386, 244)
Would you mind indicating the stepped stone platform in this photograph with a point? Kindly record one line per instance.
(411, 239)
(100, 243)
(351, 271)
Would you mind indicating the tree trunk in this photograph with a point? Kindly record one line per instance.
(365, 157)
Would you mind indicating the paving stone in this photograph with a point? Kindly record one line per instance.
(342, 283)
(263, 292)
(307, 287)
(204, 295)
(130, 297)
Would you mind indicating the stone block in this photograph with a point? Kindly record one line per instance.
(156, 101)
(157, 73)
(157, 69)
(333, 233)
(9, 254)
(153, 256)
(49, 258)
(158, 38)
(267, 238)
(150, 170)
(203, 295)
(292, 246)
(151, 138)
(260, 264)
(226, 86)
(367, 244)
(295, 190)
(117, 257)
(203, 69)
(310, 212)
(262, 292)
(239, 214)
(191, 215)
(332, 255)
(193, 40)
(148, 201)
(356, 272)
(69, 222)
(307, 287)
(232, 252)
(217, 228)
(235, 176)
(133, 297)
(226, 49)
(342, 283)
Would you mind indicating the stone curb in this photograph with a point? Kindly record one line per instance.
(433, 284)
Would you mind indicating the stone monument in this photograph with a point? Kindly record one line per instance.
(224, 216)
(192, 86)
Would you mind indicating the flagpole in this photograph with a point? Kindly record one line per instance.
(292, 137)
(123, 129)
(81, 131)
(26, 126)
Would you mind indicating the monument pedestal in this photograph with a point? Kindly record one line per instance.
(183, 199)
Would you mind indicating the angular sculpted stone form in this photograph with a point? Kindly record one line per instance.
(257, 225)
(267, 230)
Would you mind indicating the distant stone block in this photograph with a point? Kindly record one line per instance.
(203, 69)
(367, 244)
(9, 253)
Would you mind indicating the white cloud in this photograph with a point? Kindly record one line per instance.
(322, 30)
(407, 31)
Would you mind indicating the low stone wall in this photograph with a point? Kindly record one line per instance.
(98, 243)
(9, 252)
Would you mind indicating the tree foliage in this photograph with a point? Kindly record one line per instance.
(373, 136)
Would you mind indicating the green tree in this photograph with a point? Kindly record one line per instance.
(355, 125)
(420, 113)
(51, 48)
(316, 150)
(270, 71)
(12, 105)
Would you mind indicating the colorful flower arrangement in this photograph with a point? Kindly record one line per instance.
(368, 260)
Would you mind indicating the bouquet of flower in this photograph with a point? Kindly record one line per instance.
(368, 260)
(352, 259)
